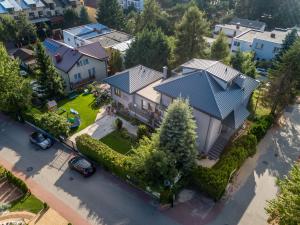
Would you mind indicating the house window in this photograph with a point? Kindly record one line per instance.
(92, 72)
(85, 62)
(144, 105)
(236, 43)
(259, 46)
(77, 76)
(117, 92)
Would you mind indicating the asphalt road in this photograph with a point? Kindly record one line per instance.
(101, 199)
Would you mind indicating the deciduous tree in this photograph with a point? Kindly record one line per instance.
(150, 48)
(285, 208)
(244, 62)
(116, 62)
(15, 92)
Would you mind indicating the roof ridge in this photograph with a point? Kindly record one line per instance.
(211, 88)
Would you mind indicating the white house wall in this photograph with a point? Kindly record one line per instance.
(138, 101)
(165, 100)
(213, 133)
(267, 52)
(125, 99)
(100, 68)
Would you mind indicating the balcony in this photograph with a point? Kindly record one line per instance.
(82, 82)
(152, 118)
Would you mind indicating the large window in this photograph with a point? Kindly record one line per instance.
(259, 46)
(117, 92)
(92, 72)
(77, 76)
(144, 104)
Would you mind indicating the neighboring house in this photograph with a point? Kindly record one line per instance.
(229, 30)
(252, 24)
(78, 66)
(218, 94)
(38, 11)
(95, 32)
(26, 57)
(266, 45)
(138, 4)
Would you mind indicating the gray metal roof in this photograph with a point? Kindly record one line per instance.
(254, 24)
(205, 93)
(134, 79)
(215, 68)
(237, 117)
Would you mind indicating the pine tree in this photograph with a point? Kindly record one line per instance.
(244, 62)
(51, 82)
(288, 42)
(110, 13)
(189, 35)
(84, 16)
(15, 92)
(150, 48)
(71, 18)
(26, 31)
(177, 135)
(150, 15)
(285, 80)
(220, 49)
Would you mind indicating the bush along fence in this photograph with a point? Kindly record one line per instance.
(14, 180)
(112, 161)
(50, 122)
(213, 181)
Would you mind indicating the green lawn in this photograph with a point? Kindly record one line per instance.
(118, 142)
(83, 104)
(28, 203)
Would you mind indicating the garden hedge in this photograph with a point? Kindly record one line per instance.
(14, 180)
(51, 122)
(102, 154)
(214, 181)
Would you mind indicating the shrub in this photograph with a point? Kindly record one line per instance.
(51, 122)
(102, 154)
(261, 126)
(12, 179)
(142, 131)
(248, 142)
(119, 123)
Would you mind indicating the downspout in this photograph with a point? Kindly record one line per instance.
(205, 144)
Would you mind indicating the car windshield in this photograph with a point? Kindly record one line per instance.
(40, 138)
(83, 163)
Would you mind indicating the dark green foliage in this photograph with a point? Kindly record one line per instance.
(244, 62)
(71, 18)
(150, 48)
(261, 126)
(51, 82)
(102, 154)
(119, 123)
(288, 42)
(15, 92)
(110, 13)
(51, 122)
(142, 131)
(116, 62)
(220, 50)
(213, 181)
(189, 35)
(84, 16)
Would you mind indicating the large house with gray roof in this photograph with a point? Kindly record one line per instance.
(218, 94)
(78, 66)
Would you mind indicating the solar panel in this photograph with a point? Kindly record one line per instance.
(51, 46)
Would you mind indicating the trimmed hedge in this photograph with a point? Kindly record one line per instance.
(51, 122)
(214, 181)
(14, 180)
(102, 154)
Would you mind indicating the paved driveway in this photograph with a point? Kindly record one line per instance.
(100, 199)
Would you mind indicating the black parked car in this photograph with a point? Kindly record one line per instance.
(41, 140)
(82, 165)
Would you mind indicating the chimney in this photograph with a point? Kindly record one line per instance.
(165, 72)
(238, 25)
(58, 58)
(273, 35)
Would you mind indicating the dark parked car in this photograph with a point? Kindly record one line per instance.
(41, 140)
(82, 165)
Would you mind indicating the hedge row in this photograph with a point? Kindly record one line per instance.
(14, 180)
(102, 154)
(51, 122)
(214, 181)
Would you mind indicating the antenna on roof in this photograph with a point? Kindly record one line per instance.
(226, 70)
